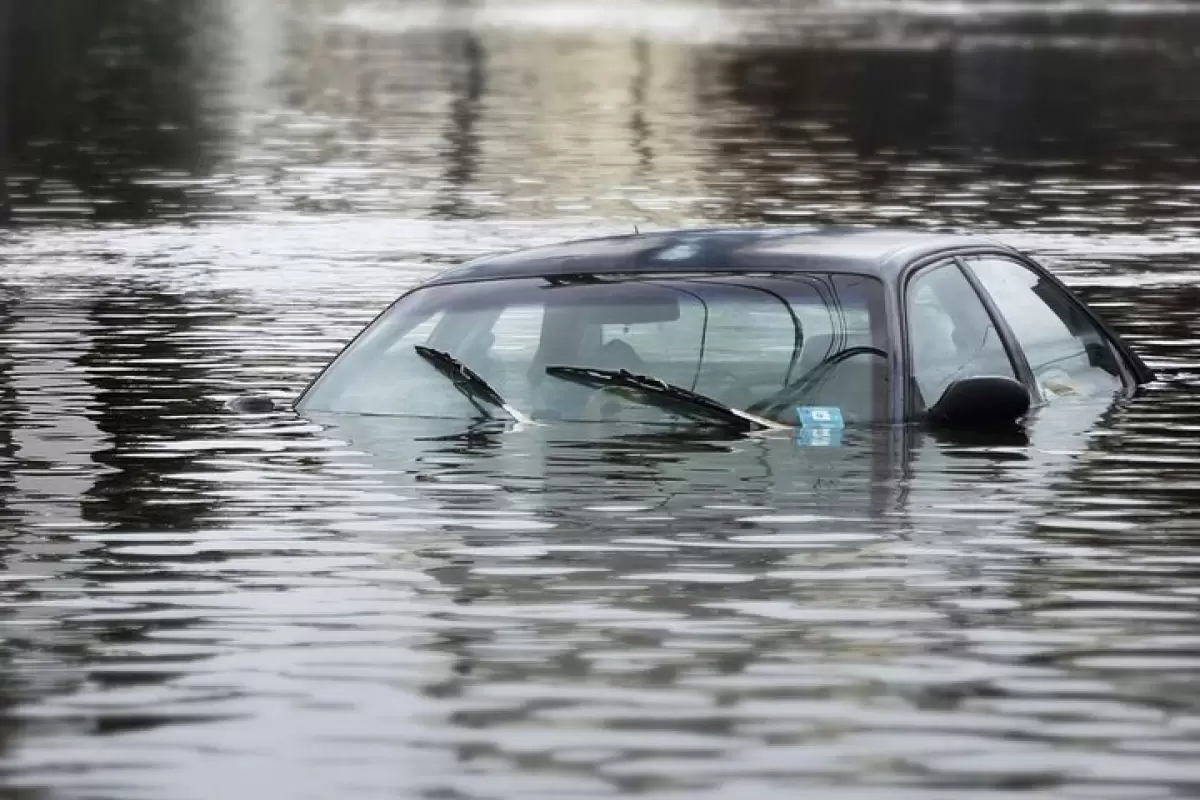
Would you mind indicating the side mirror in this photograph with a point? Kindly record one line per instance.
(980, 403)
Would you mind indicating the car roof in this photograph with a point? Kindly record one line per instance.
(881, 252)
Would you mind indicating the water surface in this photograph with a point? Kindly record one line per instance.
(211, 199)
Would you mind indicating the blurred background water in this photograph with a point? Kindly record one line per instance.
(208, 197)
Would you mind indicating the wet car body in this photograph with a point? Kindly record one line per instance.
(911, 317)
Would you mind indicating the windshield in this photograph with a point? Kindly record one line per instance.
(774, 344)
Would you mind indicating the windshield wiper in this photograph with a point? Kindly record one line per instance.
(664, 395)
(468, 381)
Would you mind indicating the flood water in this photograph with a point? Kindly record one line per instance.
(209, 198)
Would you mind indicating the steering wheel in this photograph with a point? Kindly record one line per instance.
(796, 388)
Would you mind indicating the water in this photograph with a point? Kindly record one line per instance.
(197, 605)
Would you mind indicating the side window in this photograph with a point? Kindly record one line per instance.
(951, 335)
(1068, 354)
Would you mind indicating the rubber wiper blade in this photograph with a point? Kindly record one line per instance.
(468, 382)
(659, 393)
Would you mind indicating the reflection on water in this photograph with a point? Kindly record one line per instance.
(211, 197)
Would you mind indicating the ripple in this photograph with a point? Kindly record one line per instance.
(198, 604)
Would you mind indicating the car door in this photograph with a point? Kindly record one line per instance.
(1068, 354)
(951, 335)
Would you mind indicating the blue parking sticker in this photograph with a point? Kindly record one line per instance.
(820, 417)
(820, 426)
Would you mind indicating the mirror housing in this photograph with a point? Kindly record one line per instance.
(981, 402)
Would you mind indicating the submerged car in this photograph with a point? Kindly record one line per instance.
(747, 328)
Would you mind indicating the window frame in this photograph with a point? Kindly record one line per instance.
(1016, 357)
(1134, 371)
